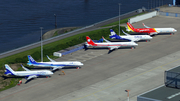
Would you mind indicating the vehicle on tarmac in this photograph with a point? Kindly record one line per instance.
(28, 74)
(110, 45)
(150, 31)
(55, 65)
(129, 37)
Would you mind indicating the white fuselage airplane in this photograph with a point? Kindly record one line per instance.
(129, 37)
(110, 45)
(150, 31)
(28, 73)
(55, 65)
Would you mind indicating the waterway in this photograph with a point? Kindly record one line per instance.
(20, 20)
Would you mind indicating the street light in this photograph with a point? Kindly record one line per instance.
(41, 45)
(55, 21)
(119, 18)
(127, 93)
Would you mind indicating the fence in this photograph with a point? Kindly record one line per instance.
(143, 17)
(169, 14)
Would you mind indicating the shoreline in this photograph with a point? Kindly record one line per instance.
(59, 31)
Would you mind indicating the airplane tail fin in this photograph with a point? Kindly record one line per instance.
(130, 27)
(31, 60)
(9, 71)
(89, 41)
(113, 34)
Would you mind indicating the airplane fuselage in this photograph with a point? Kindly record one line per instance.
(56, 64)
(137, 37)
(149, 30)
(28, 73)
(115, 44)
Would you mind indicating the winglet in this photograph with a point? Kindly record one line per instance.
(50, 59)
(145, 25)
(24, 68)
(106, 40)
(125, 33)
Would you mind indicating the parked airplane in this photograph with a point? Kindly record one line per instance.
(128, 36)
(55, 65)
(110, 45)
(150, 31)
(28, 73)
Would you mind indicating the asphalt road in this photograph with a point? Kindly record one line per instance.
(50, 40)
(99, 66)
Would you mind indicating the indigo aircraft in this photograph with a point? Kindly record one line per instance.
(128, 36)
(110, 45)
(28, 73)
(55, 65)
(150, 31)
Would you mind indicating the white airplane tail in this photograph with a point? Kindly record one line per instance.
(9, 71)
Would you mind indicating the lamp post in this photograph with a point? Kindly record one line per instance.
(119, 18)
(55, 21)
(127, 94)
(41, 45)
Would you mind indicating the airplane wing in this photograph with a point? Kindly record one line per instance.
(145, 25)
(25, 68)
(57, 67)
(125, 33)
(153, 33)
(32, 76)
(106, 40)
(111, 48)
(50, 59)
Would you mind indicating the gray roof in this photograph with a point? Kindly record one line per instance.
(163, 93)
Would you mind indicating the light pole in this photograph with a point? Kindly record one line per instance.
(55, 21)
(127, 94)
(41, 45)
(119, 18)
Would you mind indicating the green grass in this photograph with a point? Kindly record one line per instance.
(12, 83)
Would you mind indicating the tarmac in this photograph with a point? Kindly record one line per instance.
(170, 9)
(105, 77)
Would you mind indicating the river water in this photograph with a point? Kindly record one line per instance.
(20, 20)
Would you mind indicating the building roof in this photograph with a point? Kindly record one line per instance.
(163, 93)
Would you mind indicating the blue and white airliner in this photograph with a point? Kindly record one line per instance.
(55, 65)
(28, 73)
(128, 36)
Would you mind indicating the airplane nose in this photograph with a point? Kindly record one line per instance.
(82, 64)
